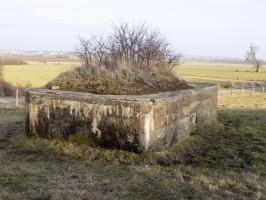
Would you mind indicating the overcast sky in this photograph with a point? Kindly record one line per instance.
(194, 27)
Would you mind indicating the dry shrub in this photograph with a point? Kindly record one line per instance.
(128, 51)
(226, 84)
(6, 89)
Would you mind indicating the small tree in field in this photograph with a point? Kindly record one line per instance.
(252, 57)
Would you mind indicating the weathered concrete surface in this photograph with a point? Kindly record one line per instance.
(137, 123)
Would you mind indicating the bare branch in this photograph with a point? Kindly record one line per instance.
(128, 47)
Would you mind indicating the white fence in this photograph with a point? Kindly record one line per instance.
(12, 101)
(16, 101)
(242, 91)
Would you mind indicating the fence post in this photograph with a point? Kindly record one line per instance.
(262, 89)
(231, 92)
(243, 91)
(17, 98)
(253, 90)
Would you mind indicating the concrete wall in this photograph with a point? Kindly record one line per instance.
(136, 123)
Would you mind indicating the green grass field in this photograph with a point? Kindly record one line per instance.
(215, 72)
(36, 73)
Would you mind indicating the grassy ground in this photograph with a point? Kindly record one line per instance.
(216, 72)
(36, 73)
(39, 73)
(225, 161)
(248, 101)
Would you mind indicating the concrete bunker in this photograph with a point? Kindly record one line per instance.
(136, 123)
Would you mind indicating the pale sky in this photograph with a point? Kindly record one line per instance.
(194, 27)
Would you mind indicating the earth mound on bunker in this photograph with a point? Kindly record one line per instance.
(106, 84)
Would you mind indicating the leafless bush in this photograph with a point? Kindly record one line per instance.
(127, 49)
(6, 89)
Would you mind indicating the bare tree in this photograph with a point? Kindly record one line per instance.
(252, 57)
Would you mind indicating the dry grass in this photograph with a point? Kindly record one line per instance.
(225, 162)
(217, 72)
(11, 61)
(106, 83)
(256, 101)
